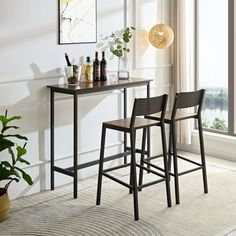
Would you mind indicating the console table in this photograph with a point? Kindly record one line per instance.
(86, 88)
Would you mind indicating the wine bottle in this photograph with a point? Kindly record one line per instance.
(96, 69)
(88, 71)
(103, 66)
(67, 60)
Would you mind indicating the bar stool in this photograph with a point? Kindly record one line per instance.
(141, 107)
(182, 101)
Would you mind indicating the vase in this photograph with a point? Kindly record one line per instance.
(4, 204)
(123, 68)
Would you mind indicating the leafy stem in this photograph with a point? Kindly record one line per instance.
(9, 170)
(118, 41)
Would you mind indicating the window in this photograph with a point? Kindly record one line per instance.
(215, 63)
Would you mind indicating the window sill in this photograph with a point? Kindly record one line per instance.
(218, 145)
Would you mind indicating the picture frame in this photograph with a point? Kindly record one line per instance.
(77, 21)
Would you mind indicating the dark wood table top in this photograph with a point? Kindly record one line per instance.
(85, 88)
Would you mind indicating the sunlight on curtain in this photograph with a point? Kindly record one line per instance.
(184, 58)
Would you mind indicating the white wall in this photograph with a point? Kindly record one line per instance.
(31, 58)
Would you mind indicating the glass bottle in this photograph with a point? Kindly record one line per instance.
(88, 71)
(96, 68)
(103, 70)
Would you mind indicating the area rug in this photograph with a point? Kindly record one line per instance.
(74, 220)
(57, 213)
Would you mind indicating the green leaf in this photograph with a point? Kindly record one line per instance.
(13, 118)
(115, 52)
(6, 164)
(9, 127)
(12, 156)
(118, 40)
(126, 39)
(5, 143)
(21, 151)
(6, 120)
(4, 173)
(20, 137)
(3, 119)
(23, 161)
(16, 136)
(120, 53)
(25, 176)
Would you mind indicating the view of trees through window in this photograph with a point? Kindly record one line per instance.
(213, 62)
(215, 109)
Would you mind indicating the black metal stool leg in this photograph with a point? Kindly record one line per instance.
(130, 181)
(168, 194)
(170, 149)
(99, 185)
(176, 175)
(134, 179)
(204, 174)
(142, 158)
(130, 177)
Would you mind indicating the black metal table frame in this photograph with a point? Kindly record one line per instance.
(73, 171)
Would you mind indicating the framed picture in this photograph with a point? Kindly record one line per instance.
(77, 21)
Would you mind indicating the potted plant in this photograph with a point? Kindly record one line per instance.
(117, 43)
(9, 169)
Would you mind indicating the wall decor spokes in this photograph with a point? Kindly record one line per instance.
(77, 21)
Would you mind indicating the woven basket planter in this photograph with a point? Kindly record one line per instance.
(4, 204)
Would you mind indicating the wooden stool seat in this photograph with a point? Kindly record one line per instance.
(124, 124)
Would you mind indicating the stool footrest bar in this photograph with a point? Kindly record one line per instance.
(91, 163)
(63, 171)
(185, 159)
(187, 171)
(151, 183)
(116, 180)
(138, 151)
(154, 166)
(150, 170)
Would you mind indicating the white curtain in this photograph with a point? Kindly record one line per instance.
(184, 58)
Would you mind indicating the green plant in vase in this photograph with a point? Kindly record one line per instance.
(10, 170)
(117, 44)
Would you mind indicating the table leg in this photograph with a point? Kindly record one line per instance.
(75, 145)
(125, 116)
(52, 137)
